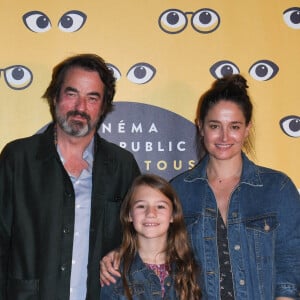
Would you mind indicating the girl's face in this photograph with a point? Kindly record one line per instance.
(224, 130)
(151, 213)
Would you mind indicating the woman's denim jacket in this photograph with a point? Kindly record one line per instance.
(143, 283)
(263, 228)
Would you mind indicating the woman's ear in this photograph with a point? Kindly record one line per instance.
(199, 127)
(248, 128)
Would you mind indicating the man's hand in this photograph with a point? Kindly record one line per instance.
(109, 266)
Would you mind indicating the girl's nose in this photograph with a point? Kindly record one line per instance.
(151, 211)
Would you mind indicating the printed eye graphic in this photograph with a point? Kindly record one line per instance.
(72, 21)
(291, 17)
(263, 70)
(37, 21)
(172, 21)
(290, 125)
(116, 72)
(222, 68)
(205, 20)
(18, 77)
(141, 73)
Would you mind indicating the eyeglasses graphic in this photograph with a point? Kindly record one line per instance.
(174, 21)
(17, 77)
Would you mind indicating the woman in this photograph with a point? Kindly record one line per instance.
(243, 220)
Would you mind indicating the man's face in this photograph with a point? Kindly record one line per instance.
(79, 106)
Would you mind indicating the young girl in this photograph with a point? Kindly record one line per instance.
(156, 259)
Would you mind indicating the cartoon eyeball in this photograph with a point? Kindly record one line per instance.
(17, 77)
(290, 125)
(291, 17)
(222, 68)
(72, 21)
(263, 70)
(141, 73)
(37, 21)
(116, 72)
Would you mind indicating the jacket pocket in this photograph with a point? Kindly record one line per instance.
(264, 224)
(261, 235)
(18, 289)
(112, 222)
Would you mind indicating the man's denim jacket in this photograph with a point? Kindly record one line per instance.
(263, 228)
(143, 283)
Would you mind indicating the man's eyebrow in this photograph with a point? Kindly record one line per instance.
(94, 94)
(71, 89)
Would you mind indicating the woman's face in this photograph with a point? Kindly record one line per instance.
(224, 130)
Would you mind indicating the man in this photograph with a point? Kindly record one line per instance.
(61, 190)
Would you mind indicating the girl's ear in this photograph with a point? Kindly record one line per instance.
(130, 218)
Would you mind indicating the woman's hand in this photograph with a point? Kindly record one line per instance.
(109, 266)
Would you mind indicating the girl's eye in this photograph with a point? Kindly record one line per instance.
(161, 206)
(140, 206)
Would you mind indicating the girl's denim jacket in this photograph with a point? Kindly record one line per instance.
(263, 227)
(143, 283)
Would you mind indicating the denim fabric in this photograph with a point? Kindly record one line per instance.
(143, 283)
(263, 229)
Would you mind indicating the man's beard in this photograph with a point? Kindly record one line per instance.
(74, 127)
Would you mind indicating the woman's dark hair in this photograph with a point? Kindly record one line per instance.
(231, 88)
(178, 250)
(89, 62)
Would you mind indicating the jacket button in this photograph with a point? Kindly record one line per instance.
(63, 268)
(234, 214)
(242, 282)
(237, 247)
(66, 230)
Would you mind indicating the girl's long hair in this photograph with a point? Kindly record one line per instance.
(178, 251)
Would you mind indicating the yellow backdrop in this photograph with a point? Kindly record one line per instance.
(186, 43)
